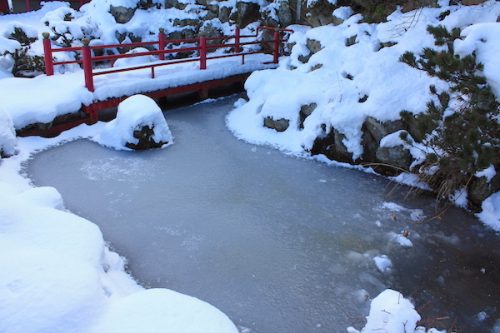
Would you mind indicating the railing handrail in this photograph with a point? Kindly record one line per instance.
(88, 59)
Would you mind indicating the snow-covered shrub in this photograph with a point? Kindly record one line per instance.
(7, 135)
(68, 27)
(20, 56)
(464, 119)
(139, 125)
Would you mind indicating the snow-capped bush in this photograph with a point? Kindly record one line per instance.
(139, 124)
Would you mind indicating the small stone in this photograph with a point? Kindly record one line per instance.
(279, 125)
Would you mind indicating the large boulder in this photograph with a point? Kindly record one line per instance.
(139, 125)
(246, 13)
(373, 131)
(122, 14)
(210, 30)
(481, 187)
(331, 144)
(394, 153)
(319, 13)
(224, 13)
(305, 111)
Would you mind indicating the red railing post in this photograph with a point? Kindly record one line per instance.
(237, 40)
(162, 43)
(4, 7)
(28, 6)
(47, 54)
(276, 50)
(203, 53)
(87, 65)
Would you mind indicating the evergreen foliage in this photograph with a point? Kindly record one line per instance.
(463, 122)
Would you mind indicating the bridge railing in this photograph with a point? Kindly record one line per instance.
(28, 4)
(204, 46)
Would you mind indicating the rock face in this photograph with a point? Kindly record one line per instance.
(122, 14)
(145, 137)
(279, 125)
(397, 156)
(319, 13)
(480, 189)
(331, 145)
(246, 13)
(305, 111)
(210, 31)
(373, 131)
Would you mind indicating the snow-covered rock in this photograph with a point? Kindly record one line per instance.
(139, 125)
(390, 312)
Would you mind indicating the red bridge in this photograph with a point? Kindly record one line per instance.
(205, 70)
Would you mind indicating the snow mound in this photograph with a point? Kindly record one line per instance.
(133, 61)
(7, 135)
(390, 312)
(490, 214)
(128, 131)
(162, 310)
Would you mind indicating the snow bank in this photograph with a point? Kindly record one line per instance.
(347, 90)
(7, 135)
(59, 276)
(134, 113)
(344, 74)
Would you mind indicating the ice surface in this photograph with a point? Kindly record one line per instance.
(256, 234)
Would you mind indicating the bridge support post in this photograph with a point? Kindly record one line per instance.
(276, 49)
(87, 65)
(237, 48)
(203, 53)
(162, 43)
(47, 54)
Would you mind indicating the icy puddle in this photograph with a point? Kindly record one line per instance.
(279, 244)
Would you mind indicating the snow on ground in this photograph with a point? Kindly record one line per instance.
(7, 135)
(349, 83)
(58, 275)
(134, 113)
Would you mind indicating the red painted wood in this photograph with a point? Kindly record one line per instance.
(47, 56)
(4, 6)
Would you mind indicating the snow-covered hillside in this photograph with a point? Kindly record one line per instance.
(342, 90)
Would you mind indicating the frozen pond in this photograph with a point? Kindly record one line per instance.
(279, 244)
